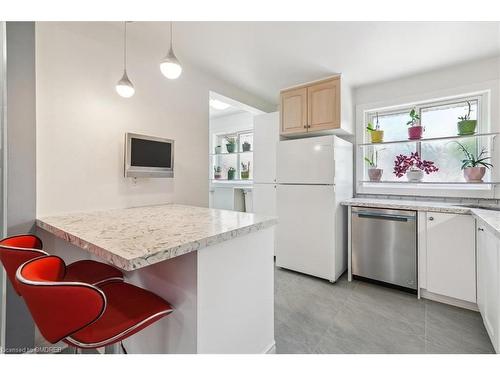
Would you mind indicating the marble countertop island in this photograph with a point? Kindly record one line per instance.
(133, 238)
(490, 217)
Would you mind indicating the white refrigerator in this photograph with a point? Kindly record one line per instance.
(314, 175)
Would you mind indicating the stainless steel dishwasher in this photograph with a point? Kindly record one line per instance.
(384, 246)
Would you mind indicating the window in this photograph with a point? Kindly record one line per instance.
(241, 159)
(439, 118)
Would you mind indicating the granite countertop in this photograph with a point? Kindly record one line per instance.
(489, 217)
(136, 237)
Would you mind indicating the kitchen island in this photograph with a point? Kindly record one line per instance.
(214, 266)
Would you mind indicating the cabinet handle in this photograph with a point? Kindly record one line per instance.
(480, 229)
(431, 218)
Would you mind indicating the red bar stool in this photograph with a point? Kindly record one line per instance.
(16, 250)
(83, 315)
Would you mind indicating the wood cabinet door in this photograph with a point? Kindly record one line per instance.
(323, 101)
(451, 258)
(294, 111)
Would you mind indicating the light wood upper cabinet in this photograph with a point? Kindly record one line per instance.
(311, 107)
(294, 111)
(323, 106)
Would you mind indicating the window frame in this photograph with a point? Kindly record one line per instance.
(366, 113)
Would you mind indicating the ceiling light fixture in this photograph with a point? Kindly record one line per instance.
(170, 67)
(217, 104)
(124, 87)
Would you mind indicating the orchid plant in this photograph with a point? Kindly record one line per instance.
(403, 163)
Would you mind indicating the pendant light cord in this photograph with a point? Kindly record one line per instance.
(125, 47)
(171, 34)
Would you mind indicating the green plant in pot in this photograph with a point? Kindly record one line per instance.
(415, 130)
(376, 135)
(230, 173)
(231, 144)
(245, 171)
(217, 172)
(246, 146)
(374, 173)
(474, 165)
(466, 126)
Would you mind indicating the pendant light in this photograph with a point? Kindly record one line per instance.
(169, 65)
(124, 87)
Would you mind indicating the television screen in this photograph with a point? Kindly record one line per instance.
(148, 153)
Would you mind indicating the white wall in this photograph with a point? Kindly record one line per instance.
(475, 76)
(81, 121)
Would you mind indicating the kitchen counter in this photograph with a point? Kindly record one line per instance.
(214, 266)
(133, 238)
(489, 217)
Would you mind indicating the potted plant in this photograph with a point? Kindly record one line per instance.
(218, 149)
(217, 173)
(374, 173)
(246, 146)
(245, 171)
(413, 166)
(466, 126)
(230, 173)
(231, 144)
(415, 130)
(474, 165)
(376, 135)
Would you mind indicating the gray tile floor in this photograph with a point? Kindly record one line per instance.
(315, 316)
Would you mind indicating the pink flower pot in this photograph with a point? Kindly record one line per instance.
(375, 174)
(474, 174)
(415, 132)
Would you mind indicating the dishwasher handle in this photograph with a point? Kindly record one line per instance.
(382, 216)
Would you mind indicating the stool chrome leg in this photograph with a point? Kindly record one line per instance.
(112, 349)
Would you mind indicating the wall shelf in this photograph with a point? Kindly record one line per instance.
(232, 153)
(430, 139)
(430, 182)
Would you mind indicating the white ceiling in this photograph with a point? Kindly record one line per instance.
(263, 57)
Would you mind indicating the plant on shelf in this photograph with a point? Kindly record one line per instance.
(231, 144)
(245, 171)
(376, 135)
(374, 173)
(474, 165)
(466, 126)
(246, 146)
(217, 173)
(230, 173)
(413, 166)
(415, 130)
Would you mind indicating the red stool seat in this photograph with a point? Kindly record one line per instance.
(129, 309)
(84, 315)
(16, 250)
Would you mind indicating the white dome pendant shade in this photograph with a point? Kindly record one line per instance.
(124, 87)
(170, 66)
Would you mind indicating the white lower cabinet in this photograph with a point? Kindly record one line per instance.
(451, 255)
(488, 290)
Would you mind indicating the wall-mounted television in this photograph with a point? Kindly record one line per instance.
(147, 156)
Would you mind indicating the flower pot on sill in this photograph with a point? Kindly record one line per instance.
(217, 176)
(377, 136)
(218, 149)
(466, 127)
(245, 175)
(474, 174)
(246, 147)
(415, 175)
(375, 174)
(415, 132)
(231, 147)
(230, 175)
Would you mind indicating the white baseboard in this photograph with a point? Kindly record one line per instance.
(448, 300)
